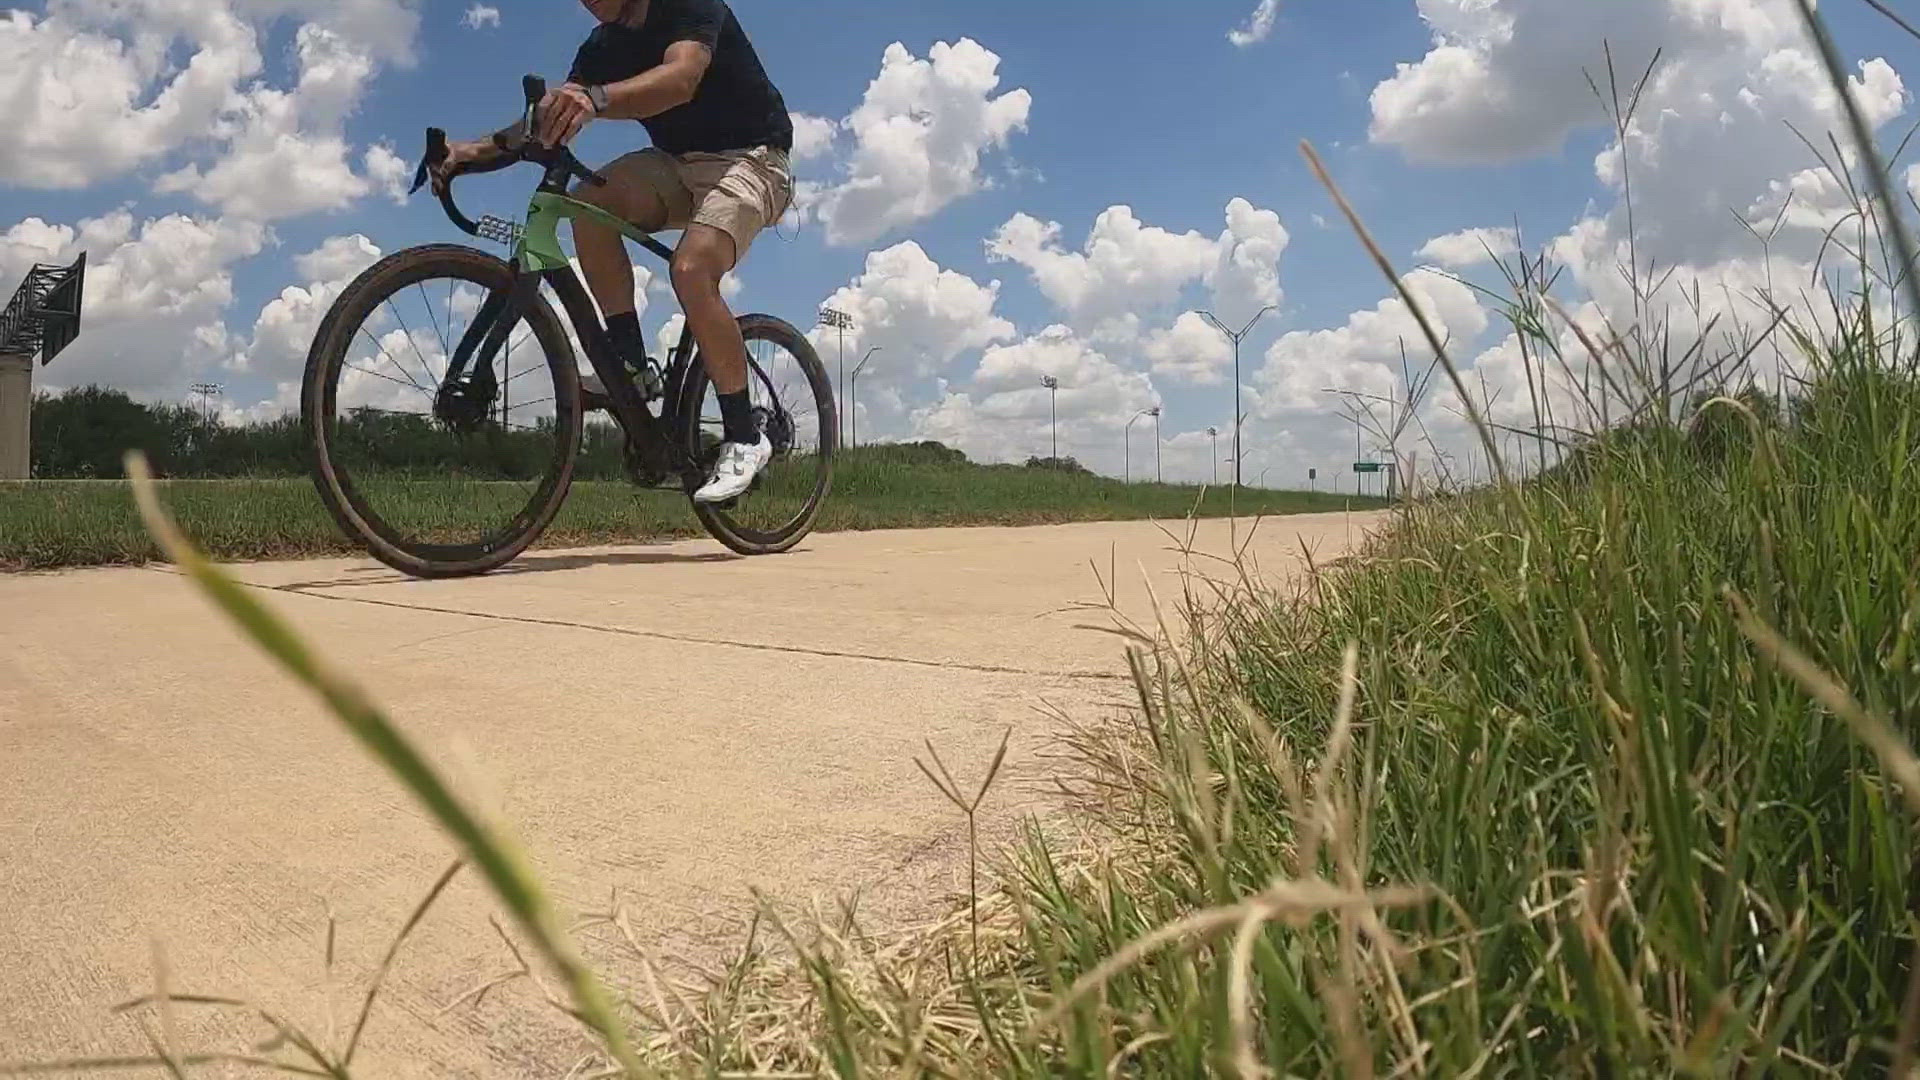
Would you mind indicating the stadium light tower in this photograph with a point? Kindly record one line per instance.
(41, 320)
(206, 392)
(842, 322)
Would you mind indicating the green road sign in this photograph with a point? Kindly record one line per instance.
(1366, 466)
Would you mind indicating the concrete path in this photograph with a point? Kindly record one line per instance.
(666, 722)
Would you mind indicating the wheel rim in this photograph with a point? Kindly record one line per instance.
(785, 405)
(444, 473)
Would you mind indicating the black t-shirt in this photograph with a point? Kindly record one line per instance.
(735, 106)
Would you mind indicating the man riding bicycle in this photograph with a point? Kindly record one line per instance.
(718, 170)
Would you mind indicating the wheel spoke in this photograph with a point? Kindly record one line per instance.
(445, 349)
(382, 350)
(398, 382)
(424, 366)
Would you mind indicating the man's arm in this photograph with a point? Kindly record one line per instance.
(649, 93)
(668, 86)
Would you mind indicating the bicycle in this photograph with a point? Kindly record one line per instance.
(367, 448)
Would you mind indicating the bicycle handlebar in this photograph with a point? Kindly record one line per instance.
(560, 162)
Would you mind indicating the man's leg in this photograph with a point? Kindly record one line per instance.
(645, 189)
(704, 256)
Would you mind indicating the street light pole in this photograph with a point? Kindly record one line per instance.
(1214, 454)
(1128, 438)
(842, 322)
(853, 396)
(1236, 338)
(1053, 387)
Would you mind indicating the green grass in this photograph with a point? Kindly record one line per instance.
(1561, 811)
(49, 524)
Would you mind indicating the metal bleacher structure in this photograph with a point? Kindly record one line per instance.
(39, 322)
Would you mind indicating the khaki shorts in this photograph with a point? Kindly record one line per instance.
(739, 192)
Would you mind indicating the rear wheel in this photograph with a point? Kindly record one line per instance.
(793, 403)
(440, 478)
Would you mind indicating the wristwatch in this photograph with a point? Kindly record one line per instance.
(597, 95)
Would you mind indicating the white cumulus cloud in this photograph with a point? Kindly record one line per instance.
(1364, 354)
(918, 140)
(480, 15)
(97, 88)
(1259, 25)
(1191, 350)
(813, 137)
(284, 330)
(156, 295)
(1470, 247)
(1004, 412)
(920, 314)
(1124, 268)
(285, 154)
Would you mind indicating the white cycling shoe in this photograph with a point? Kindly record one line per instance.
(733, 474)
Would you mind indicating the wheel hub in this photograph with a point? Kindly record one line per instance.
(463, 407)
(777, 427)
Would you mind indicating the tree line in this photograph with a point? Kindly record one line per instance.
(84, 434)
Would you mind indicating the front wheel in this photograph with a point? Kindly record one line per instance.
(442, 406)
(793, 402)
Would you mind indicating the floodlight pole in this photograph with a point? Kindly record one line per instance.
(206, 392)
(842, 322)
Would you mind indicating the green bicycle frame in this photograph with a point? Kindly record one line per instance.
(538, 249)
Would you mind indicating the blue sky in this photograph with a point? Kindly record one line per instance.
(1147, 106)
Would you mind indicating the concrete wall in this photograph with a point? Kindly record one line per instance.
(16, 405)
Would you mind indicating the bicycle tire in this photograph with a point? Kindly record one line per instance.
(779, 332)
(318, 400)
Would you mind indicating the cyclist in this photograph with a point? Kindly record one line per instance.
(718, 170)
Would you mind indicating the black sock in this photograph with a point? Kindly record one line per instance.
(737, 413)
(624, 331)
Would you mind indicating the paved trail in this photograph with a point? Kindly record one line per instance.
(668, 721)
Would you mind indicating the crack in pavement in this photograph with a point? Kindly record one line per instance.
(693, 639)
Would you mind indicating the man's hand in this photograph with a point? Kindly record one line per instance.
(459, 154)
(563, 113)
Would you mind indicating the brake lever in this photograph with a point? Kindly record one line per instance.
(436, 153)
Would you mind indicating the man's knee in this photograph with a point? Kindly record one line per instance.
(697, 268)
